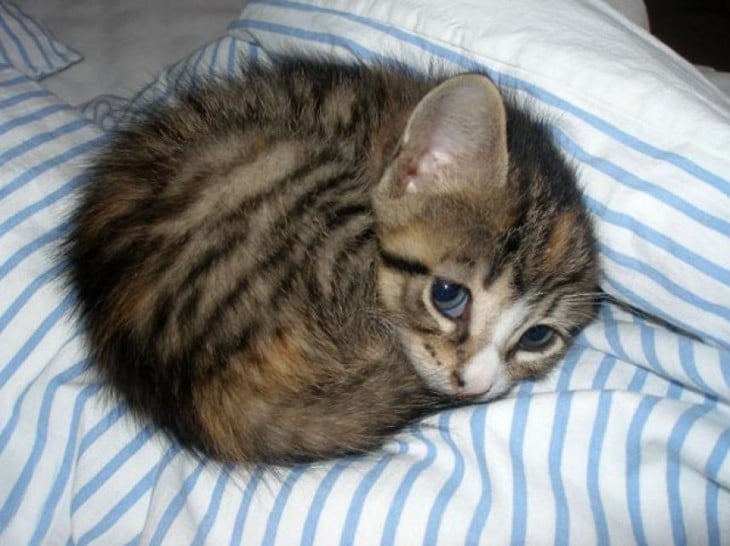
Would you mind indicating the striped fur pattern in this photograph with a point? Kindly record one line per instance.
(265, 268)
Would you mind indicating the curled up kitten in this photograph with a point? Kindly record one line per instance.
(294, 264)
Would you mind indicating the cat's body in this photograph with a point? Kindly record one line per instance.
(294, 265)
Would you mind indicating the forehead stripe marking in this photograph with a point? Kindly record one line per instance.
(404, 265)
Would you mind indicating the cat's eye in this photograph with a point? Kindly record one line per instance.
(451, 299)
(536, 338)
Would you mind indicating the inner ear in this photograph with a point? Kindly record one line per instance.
(457, 134)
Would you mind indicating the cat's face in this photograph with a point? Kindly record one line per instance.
(485, 268)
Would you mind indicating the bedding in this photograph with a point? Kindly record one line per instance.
(626, 442)
(29, 46)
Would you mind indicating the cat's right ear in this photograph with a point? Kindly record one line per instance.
(456, 136)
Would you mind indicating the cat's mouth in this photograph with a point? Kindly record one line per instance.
(468, 396)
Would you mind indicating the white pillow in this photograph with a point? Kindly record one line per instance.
(649, 134)
(28, 46)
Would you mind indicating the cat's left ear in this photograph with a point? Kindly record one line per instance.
(456, 135)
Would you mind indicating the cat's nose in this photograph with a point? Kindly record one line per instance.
(463, 391)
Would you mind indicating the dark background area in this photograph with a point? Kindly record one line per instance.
(699, 30)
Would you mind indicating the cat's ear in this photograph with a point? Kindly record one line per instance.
(456, 135)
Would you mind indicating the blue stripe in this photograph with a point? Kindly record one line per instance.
(21, 19)
(447, 492)
(64, 377)
(252, 484)
(54, 45)
(34, 339)
(24, 479)
(195, 68)
(630, 180)
(687, 359)
(253, 53)
(725, 366)
(100, 428)
(659, 240)
(214, 58)
(639, 380)
(569, 364)
(4, 58)
(368, 481)
(677, 290)
(594, 464)
(206, 523)
(66, 466)
(319, 37)
(611, 327)
(176, 504)
(648, 346)
(22, 97)
(110, 469)
(555, 460)
(395, 510)
(15, 80)
(130, 499)
(712, 468)
(35, 116)
(19, 46)
(231, 58)
(649, 307)
(675, 391)
(479, 519)
(272, 523)
(634, 449)
(50, 163)
(29, 248)
(14, 308)
(519, 482)
(320, 498)
(677, 160)
(42, 138)
(557, 443)
(604, 371)
(44, 203)
(674, 457)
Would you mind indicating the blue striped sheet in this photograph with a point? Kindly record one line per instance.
(594, 468)
(244, 507)
(395, 510)
(481, 451)
(448, 54)
(450, 487)
(701, 297)
(61, 481)
(175, 506)
(29, 46)
(461, 466)
(274, 518)
(366, 484)
(128, 500)
(213, 507)
(320, 497)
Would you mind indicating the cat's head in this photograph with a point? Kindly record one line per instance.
(487, 255)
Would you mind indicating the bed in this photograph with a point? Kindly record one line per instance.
(626, 442)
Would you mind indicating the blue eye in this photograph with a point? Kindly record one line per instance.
(449, 298)
(536, 338)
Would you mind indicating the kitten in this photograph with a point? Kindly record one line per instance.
(294, 264)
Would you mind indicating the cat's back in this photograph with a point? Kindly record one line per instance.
(224, 249)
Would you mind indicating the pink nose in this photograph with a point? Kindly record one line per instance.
(462, 391)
